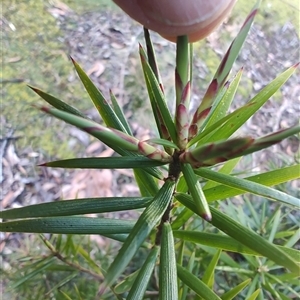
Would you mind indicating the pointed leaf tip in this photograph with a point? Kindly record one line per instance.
(72, 59)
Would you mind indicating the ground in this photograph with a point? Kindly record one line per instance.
(105, 43)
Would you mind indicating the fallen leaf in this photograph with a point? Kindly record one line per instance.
(97, 69)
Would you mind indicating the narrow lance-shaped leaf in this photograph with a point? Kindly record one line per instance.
(160, 123)
(167, 269)
(147, 221)
(183, 90)
(216, 152)
(236, 290)
(69, 225)
(244, 235)
(196, 191)
(225, 66)
(108, 115)
(55, 102)
(223, 105)
(270, 178)
(236, 120)
(214, 127)
(208, 276)
(224, 242)
(140, 284)
(118, 111)
(76, 207)
(111, 119)
(271, 139)
(219, 192)
(157, 98)
(207, 155)
(112, 137)
(251, 187)
(152, 57)
(125, 162)
(205, 117)
(196, 284)
(190, 268)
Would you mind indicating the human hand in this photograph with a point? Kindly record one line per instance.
(172, 18)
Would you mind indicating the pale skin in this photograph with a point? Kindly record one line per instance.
(172, 18)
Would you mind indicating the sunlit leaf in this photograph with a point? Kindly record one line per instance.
(244, 235)
(69, 225)
(236, 290)
(167, 268)
(76, 207)
(248, 186)
(195, 284)
(125, 162)
(141, 282)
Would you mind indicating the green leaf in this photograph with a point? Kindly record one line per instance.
(208, 276)
(293, 239)
(112, 137)
(147, 184)
(108, 115)
(62, 282)
(219, 112)
(163, 142)
(147, 221)
(182, 218)
(69, 225)
(248, 186)
(271, 139)
(270, 178)
(207, 132)
(236, 290)
(157, 98)
(226, 168)
(225, 242)
(235, 47)
(196, 191)
(190, 269)
(125, 162)
(118, 111)
(196, 284)
(126, 284)
(39, 268)
(182, 66)
(226, 64)
(235, 122)
(141, 282)
(213, 153)
(152, 57)
(76, 207)
(58, 103)
(254, 295)
(219, 192)
(167, 269)
(244, 235)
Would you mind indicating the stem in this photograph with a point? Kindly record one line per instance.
(71, 264)
(174, 173)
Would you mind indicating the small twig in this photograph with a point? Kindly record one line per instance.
(71, 264)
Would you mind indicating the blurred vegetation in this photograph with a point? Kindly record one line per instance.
(34, 53)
